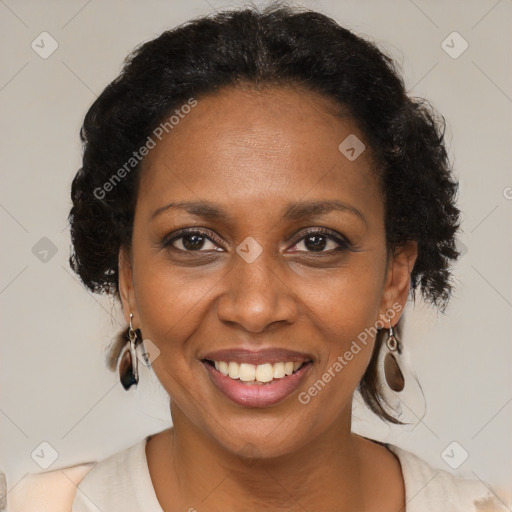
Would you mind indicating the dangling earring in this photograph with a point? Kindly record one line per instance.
(128, 362)
(398, 385)
(392, 373)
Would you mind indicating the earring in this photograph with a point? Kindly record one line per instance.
(391, 369)
(128, 361)
(398, 386)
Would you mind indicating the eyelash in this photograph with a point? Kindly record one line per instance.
(343, 243)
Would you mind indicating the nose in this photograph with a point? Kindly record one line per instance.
(256, 296)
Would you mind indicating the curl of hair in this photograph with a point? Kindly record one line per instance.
(276, 46)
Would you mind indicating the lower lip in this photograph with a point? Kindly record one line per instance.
(256, 395)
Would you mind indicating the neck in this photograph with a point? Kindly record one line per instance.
(324, 474)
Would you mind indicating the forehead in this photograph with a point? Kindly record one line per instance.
(241, 144)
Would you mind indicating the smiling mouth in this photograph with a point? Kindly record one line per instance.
(259, 374)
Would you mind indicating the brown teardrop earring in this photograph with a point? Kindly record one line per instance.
(128, 361)
(392, 373)
(399, 390)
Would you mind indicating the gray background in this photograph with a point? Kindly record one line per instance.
(55, 386)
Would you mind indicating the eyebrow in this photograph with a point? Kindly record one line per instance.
(197, 208)
(301, 209)
(293, 211)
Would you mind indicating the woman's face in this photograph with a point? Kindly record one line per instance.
(286, 263)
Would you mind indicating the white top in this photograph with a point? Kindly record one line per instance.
(122, 483)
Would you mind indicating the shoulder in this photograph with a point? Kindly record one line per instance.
(120, 480)
(52, 491)
(428, 488)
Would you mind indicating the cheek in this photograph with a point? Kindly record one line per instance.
(344, 307)
(348, 300)
(169, 303)
(170, 311)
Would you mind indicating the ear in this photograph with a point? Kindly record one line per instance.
(126, 287)
(398, 277)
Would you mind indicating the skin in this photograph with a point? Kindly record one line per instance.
(251, 153)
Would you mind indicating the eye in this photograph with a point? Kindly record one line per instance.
(321, 241)
(315, 240)
(191, 241)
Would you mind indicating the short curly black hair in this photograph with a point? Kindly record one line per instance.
(277, 45)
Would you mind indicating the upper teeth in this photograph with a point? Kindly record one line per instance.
(260, 373)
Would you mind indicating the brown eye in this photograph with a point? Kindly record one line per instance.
(315, 242)
(191, 241)
(321, 242)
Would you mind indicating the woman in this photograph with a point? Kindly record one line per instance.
(263, 198)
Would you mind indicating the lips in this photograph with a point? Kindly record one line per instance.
(257, 378)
